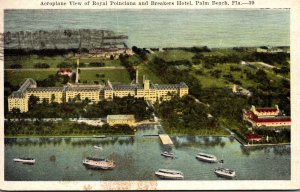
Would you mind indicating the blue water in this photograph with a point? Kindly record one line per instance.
(166, 28)
(137, 158)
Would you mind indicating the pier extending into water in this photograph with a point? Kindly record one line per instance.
(165, 139)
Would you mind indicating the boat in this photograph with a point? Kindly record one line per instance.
(99, 136)
(98, 163)
(98, 147)
(227, 173)
(169, 174)
(207, 157)
(170, 171)
(24, 160)
(167, 154)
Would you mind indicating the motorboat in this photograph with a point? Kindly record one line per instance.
(167, 154)
(227, 173)
(97, 163)
(207, 157)
(169, 174)
(170, 171)
(24, 160)
(98, 147)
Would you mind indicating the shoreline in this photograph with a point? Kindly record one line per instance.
(106, 136)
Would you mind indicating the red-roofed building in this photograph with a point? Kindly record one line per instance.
(266, 111)
(266, 117)
(64, 72)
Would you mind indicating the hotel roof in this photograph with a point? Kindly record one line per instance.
(170, 86)
(55, 89)
(127, 86)
(23, 88)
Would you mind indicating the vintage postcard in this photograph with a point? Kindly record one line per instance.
(149, 95)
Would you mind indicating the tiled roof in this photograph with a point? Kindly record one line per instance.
(262, 110)
(254, 118)
(127, 87)
(57, 89)
(171, 86)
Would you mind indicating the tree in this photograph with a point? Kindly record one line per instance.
(77, 97)
(33, 100)
(16, 112)
(52, 98)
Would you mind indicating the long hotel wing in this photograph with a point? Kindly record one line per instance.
(94, 92)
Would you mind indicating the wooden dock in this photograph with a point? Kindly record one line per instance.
(165, 139)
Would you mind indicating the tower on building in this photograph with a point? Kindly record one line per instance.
(136, 76)
(146, 84)
(77, 71)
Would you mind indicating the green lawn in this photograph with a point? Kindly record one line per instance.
(108, 62)
(17, 77)
(174, 55)
(30, 60)
(114, 76)
(209, 81)
(145, 69)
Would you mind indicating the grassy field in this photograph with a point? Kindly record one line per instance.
(17, 77)
(207, 80)
(114, 76)
(145, 69)
(30, 60)
(108, 62)
(174, 55)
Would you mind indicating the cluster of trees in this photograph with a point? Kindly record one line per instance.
(173, 75)
(281, 136)
(186, 116)
(190, 49)
(41, 65)
(125, 105)
(269, 94)
(41, 128)
(16, 66)
(210, 61)
(223, 104)
(283, 70)
(270, 58)
(64, 65)
(130, 66)
(99, 75)
(76, 108)
(229, 77)
(141, 52)
(52, 80)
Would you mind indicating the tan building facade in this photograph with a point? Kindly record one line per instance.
(94, 93)
(121, 119)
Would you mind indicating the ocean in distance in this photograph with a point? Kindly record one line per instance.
(166, 28)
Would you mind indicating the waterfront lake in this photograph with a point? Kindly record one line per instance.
(166, 28)
(137, 158)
